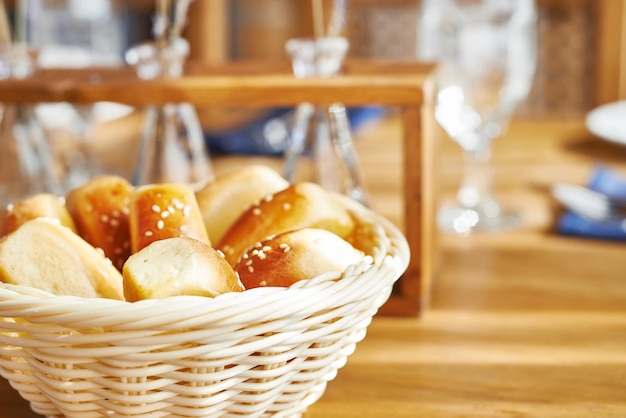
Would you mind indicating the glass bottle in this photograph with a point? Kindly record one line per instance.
(172, 148)
(320, 136)
(26, 161)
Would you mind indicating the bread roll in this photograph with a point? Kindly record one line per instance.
(178, 266)
(301, 205)
(43, 205)
(295, 255)
(365, 236)
(99, 208)
(224, 200)
(46, 255)
(159, 211)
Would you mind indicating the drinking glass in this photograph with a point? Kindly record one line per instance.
(486, 53)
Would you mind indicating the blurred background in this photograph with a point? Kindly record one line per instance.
(581, 59)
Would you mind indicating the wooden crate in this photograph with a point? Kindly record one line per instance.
(405, 85)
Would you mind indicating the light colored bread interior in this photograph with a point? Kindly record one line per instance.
(225, 199)
(295, 255)
(301, 205)
(46, 255)
(160, 211)
(43, 205)
(99, 208)
(178, 266)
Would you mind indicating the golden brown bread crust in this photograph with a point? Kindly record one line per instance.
(159, 211)
(295, 255)
(301, 205)
(178, 266)
(100, 209)
(43, 205)
(225, 199)
(46, 255)
(365, 235)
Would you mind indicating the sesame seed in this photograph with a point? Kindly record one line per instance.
(178, 203)
(251, 269)
(116, 213)
(160, 224)
(256, 211)
(285, 247)
(269, 198)
(118, 251)
(248, 263)
(125, 211)
(187, 211)
(262, 283)
(104, 218)
(221, 254)
(228, 250)
(10, 207)
(261, 255)
(156, 208)
(184, 228)
(286, 206)
(148, 233)
(165, 214)
(100, 251)
(258, 245)
(114, 223)
(171, 209)
(267, 248)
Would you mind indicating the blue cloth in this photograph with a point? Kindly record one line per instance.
(610, 183)
(250, 139)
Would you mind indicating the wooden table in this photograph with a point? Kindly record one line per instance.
(522, 324)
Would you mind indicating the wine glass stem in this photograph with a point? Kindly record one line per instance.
(475, 190)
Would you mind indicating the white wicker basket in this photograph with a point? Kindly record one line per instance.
(262, 352)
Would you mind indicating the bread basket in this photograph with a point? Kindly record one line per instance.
(263, 352)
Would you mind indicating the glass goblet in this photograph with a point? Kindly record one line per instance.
(486, 53)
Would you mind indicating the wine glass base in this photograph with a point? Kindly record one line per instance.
(462, 220)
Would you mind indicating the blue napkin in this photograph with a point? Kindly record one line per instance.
(250, 139)
(610, 183)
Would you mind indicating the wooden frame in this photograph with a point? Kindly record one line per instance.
(403, 84)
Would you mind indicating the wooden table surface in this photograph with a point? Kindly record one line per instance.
(525, 323)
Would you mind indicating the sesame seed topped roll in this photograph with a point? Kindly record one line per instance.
(43, 205)
(224, 200)
(302, 254)
(175, 267)
(301, 205)
(160, 211)
(99, 208)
